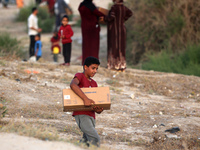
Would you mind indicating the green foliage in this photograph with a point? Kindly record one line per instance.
(24, 13)
(175, 23)
(155, 3)
(3, 108)
(27, 129)
(161, 24)
(46, 25)
(187, 62)
(9, 46)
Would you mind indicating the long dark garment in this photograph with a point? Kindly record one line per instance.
(90, 29)
(67, 52)
(117, 36)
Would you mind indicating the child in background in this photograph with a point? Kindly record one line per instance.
(38, 47)
(65, 33)
(55, 47)
(86, 119)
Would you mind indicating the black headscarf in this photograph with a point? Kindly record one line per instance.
(88, 4)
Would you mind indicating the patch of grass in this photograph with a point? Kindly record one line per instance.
(113, 82)
(10, 46)
(187, 62)
(2, 63)
(3, 108)
(37, 111)
(161, 24)
(46, 24)
(24, 13)
(172, 143)
(41, 132)
(72, 129)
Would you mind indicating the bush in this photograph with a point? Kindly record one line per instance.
(186, 62)
(3, 108)
(161, 24)
(10, 46)
(46, 25)
(24, 13)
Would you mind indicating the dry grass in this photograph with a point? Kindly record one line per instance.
(162, 24)
(33, 130)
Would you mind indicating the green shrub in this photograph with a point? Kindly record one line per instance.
(161, 24)
(10, 46)
(3, 108)
(23, 14)
(46, 25)
(186, 62)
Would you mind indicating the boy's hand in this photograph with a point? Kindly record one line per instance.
(101, 19)
(39, 30)
(97, 109)
(89, 102)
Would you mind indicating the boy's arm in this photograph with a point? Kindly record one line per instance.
(74, 86)
(69, 32)
(36, 51)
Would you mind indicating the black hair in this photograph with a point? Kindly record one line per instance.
(33, 9)
(65, 16)
(56, 35)
(38, 35)
(91, 60)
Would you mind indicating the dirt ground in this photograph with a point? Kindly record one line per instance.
(144, 103)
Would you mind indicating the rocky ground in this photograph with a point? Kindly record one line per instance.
(144, 103)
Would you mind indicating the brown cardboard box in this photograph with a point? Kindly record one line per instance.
(105, 12)
(72, 102)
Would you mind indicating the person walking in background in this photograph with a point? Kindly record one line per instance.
(55, 47)
(38, 47)
(90, 29)
(60, 10)
(33, 29)
(117, 35)
(5, 3)
(65, 33)
(20, 3)
(50, 4)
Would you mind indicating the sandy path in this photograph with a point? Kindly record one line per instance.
(16, 142)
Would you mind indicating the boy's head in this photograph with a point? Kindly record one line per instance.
(65, 20)
(34, 10)
(90, 66)
(37, 37)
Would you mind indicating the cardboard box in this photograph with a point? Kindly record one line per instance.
(105, 12)
(72, 102)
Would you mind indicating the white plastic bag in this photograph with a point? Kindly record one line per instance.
(32, 59)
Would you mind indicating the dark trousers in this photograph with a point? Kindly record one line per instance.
(32, 45)
(67, 52)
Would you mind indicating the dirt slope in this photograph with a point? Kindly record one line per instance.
(144, 103)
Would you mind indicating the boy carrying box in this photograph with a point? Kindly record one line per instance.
(86, 119)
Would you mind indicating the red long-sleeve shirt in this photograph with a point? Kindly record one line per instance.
(67, 32)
